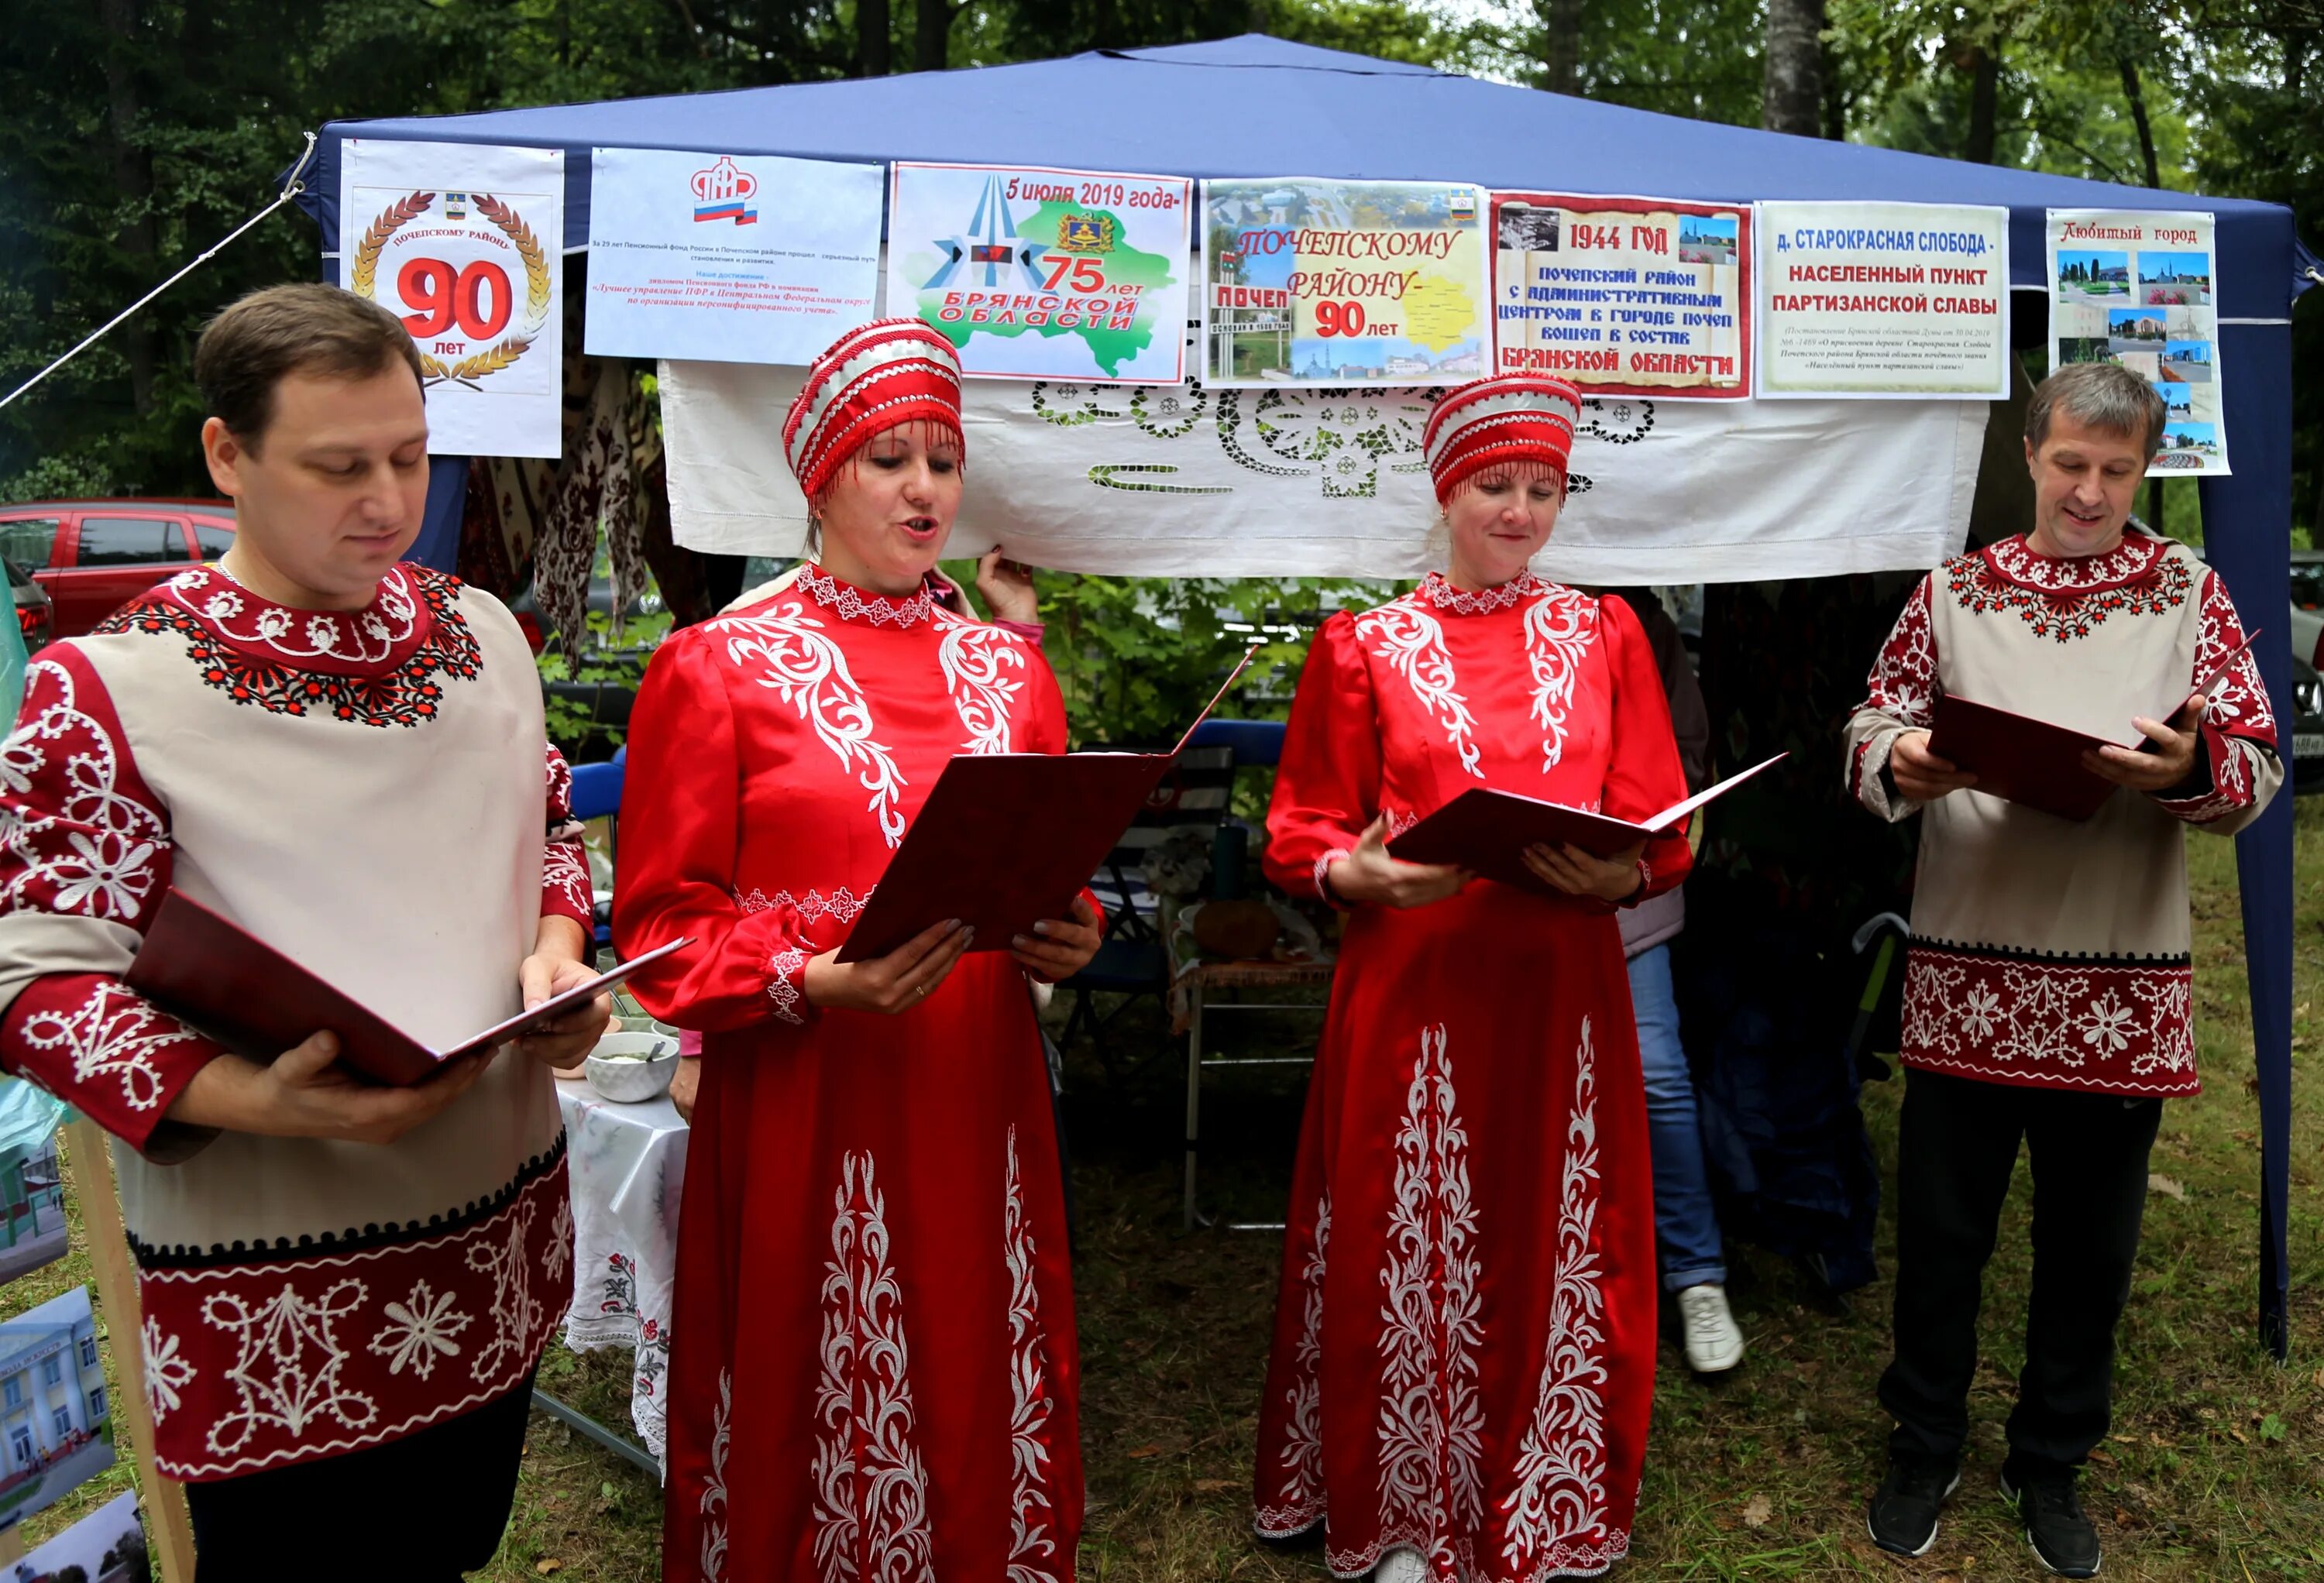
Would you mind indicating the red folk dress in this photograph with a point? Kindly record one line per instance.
(1464, 1341)
(874, 1372)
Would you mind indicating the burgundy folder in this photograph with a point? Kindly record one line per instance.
(1006, 840)
(1486, 831)
(2032, 762)
(257, 1002)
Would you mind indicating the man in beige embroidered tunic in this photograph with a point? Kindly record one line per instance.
(2047, 986)
(345, 1288)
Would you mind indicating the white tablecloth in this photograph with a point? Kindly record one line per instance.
(628, 1165)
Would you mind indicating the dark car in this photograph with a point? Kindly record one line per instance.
(92, 557)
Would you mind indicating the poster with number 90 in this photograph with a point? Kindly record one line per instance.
(465, 244)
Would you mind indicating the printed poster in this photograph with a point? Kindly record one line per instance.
(1884, 299)
(2140, 288)
(58, 1431)
(744, 258)
(1035, 273)
(1343, 283)
(465, 242)
(1624, 296)
(107, 1546)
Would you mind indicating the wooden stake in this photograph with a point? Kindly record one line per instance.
(89, 1162)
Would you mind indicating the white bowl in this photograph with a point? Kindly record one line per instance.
(643, 1067)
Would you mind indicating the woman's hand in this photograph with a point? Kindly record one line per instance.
(1057, 950)
(684, 1084)
(2171, 760)
(892, 983)
(1921, 775)
(1007, 589)
(1369, 874)
(1577, 872)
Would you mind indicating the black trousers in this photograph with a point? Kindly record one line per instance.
(423, 1509)
(2088, 1153)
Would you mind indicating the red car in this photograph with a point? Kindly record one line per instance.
(92, 557)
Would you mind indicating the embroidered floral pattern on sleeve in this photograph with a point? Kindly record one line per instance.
(299, 663)
(79, 831)
(2239, 722)
(2066, 598)
(870, 1489)
(113, 1039)
(261, 1362)
(2113, 1025)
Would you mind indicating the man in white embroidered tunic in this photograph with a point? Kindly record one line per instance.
(2048, 984)
(345, 1287)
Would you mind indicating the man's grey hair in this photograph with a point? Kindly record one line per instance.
(2104, 396)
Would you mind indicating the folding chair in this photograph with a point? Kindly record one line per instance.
(1257, 744)
(1133, 960)
(598, 795)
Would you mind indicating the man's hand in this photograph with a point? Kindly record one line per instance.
(1007, 589)
(684, 1085)
(892, 983)
(1920, 774)
(1369, 874)
(555, 966)
(305, 1093)
(1057, 950)
(1578, 872)
(2171, 762)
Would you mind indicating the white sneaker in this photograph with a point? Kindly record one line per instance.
(1713, 1344)
(1403, 1564)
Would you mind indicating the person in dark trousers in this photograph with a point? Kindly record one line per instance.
(2047, 987)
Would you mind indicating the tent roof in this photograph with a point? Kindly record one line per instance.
(1256, 105)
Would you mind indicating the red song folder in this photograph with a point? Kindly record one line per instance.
(257, 1002)
(1487, 830)
(2034, 763)
(1006, 840)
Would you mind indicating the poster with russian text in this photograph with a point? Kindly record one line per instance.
(465, 242)
(742, 258)
(1624, 296)
(1343, 283)
(1899, 301)
(2139, 287)
(1045, 274)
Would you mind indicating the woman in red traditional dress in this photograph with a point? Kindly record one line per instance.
(1464, 1341)
(873, 1373)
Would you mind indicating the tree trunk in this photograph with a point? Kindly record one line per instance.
(1984, 104)
(872, 31)
(2136, 98)
(932, 34)
(1793, 95)
(1561, 47)
(133, 184)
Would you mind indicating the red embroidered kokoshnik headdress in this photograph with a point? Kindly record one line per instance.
(1510, 417)
(890, 371)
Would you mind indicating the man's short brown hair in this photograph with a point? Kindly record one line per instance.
(307, 328)
(2104, 396)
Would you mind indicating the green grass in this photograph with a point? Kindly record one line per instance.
(2214, 1469)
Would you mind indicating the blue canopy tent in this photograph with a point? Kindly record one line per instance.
(1258, 107)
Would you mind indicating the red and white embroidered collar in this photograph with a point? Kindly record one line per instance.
(857, 604)
(1438, 590)
(2017, 561)
(339, 643)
